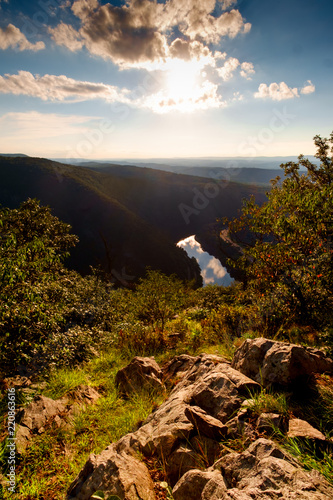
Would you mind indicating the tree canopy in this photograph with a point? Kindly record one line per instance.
(287, 255)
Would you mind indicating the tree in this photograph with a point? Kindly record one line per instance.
(33, 246)
(288, 253)
(158, 297)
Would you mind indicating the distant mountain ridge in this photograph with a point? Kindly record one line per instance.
(126, 217)
(18, 155)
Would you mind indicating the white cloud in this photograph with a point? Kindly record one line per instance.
(227, 3)
(237, 96)
(215, 265)
(247, 69)
(190, 242)
(276, 91)
(206, 279)
(66, 35)
(228, 69)
(200, 97)
(309, 88)
(59, 88)
(11, 37)
(137, 32)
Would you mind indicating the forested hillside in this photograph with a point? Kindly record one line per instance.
(126, 218)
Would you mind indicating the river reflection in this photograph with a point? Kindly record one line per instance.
(212, 271)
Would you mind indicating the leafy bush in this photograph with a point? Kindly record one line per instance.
(34, 245)
(158, 298)
(287, 242)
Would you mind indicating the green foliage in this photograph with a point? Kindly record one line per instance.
(158, 298)
(287, 242)
(34, 244)
(267, 401)
(306, 452)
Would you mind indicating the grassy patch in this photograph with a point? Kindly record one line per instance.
(267, 401)
(310, 457)
(54, 458)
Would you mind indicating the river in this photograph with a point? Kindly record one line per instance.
(212, 271)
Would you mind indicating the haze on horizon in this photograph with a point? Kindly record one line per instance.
(168, 79)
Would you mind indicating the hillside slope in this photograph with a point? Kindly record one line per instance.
(126, 217)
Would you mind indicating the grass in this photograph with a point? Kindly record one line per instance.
(54, 458)
(309, 456)
(61, 454)
(267, 401)
(64, 380)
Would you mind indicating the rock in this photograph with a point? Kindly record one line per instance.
(278, 363)
(39, 412)
(164, 429)
(216, 489)
(191, 485)
(113, 473)
(182, 460)
(205, 384)
(262, 472)
(202, 365)
(140, 373)
(239, 427)
(207, 449)
(249, 357)
(268, 421)
(178, 366)
(301, 429)
(82, 394)
(17, 382)
(23, 437)
(208, 395)
(205, 424)
(216, 394)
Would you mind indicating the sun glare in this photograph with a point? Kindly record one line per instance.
(182, 79)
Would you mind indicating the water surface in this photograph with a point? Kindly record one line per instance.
(212, 271)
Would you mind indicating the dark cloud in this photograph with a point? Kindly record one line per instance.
(138, 32)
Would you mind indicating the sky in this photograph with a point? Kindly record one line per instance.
(165, 78)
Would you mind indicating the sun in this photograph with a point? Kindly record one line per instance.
(182, 80)
(185, 88)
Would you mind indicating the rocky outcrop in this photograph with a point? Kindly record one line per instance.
(205, 406)
(44, 411)
(278, 363)
(261, 472)
(141, 372)
(115, 473)
(34, 417)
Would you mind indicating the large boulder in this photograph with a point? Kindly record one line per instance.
(210, 384)
(113, 473)
(277, 363)
(262, 472)
(141, 373)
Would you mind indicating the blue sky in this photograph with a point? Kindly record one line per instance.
(172, 78)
